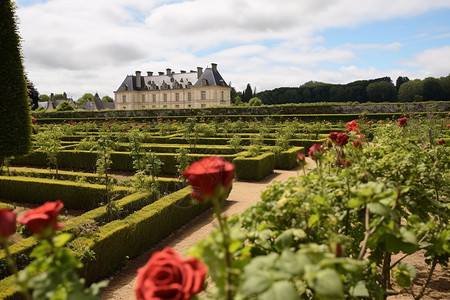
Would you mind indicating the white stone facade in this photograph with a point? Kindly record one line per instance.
(194, 89)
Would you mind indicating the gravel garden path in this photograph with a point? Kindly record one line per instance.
(243, 195)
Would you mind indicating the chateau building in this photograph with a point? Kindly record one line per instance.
(193, 89)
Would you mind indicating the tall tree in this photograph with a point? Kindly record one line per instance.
(411, 91)
(381, 91)
(107, 99)
(248, 93)
(85, 98)
(15, 121)
(400, 80)
(33, 94)
(432, 89)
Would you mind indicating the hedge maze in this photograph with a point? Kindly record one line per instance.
(136, 165)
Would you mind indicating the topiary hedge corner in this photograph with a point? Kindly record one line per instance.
(286, 160)
(254, 168)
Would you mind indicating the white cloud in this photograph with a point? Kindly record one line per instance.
(432, 62)
(87, 46)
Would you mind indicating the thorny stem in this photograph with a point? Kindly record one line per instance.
(223, 224)
(422, 290)
(369, 231)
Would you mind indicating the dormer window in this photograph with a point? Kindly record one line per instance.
(204, 82)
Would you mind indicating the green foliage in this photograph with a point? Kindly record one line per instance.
(49, 141)
(254, 168)
(43, 98)
(15, 122)
(65, 106)
(255, 101)
(83, 99)
(107, 98)
(381, 91)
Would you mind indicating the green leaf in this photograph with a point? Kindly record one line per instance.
(313, 219)
(327, 284)
(404, 274)
(61, 239)
(255, 284)
(280, 290)
(359, 290)
(354, 203)
(378, 209)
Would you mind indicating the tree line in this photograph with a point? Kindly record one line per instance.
(362, 91)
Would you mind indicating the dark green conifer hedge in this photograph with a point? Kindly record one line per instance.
(15, 123)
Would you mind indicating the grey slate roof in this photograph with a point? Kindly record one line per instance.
(171, 80)
(212, 77)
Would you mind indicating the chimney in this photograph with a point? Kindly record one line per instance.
(168, 72)
(149, 73)
(138, 80)
(199, 72)
(160, 73)
(182, 71)
(214, 66)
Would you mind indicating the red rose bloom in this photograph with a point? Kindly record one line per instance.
(402, 122)
(314, 151)
(207, 174)
(356, 144)
(342, 139)
(42, 217)
(441, 142)
(352, 126)
(333, 136)
(7, 222)
(300, 156)
(168, 276)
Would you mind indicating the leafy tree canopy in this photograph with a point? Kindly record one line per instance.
(85, 98)
(107, 99)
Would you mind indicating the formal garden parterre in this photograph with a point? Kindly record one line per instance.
(381, 167)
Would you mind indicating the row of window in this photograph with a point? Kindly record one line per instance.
(177, 97)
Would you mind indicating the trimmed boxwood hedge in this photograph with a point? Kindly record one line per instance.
(287, 160)
(138, 231)
(254, 168)
(82, 196)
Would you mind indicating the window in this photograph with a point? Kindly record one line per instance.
(221, 95)
(177, 106)
(124, 107)
(153, 106)
(154, 98)
(203, 105)
(124, 98)
(189, 96)
(222, 102)
(165, 106)
(203, 95)
(189, 105)
(143, 106)
(143, 98)
(132, 97)
(165, 97)
(177, 97)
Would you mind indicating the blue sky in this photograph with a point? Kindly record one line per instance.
(90, 46)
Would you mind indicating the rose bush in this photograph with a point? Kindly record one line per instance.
(207, 174)
(314, 151)
(43, 217)
(7, 222)
(168, 276)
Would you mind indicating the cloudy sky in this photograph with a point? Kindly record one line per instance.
(80, 46)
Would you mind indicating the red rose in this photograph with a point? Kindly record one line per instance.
(356, 144)
(402, 122)
(300, 157)
(441, 142)
(342, 139)
(43, 217)
(314, 151)
(168, 276)
(333, 136)
(7, 222)
(352, 126)
(347, 164)
(207, 174)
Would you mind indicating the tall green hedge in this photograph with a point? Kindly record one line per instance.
(15, 123)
